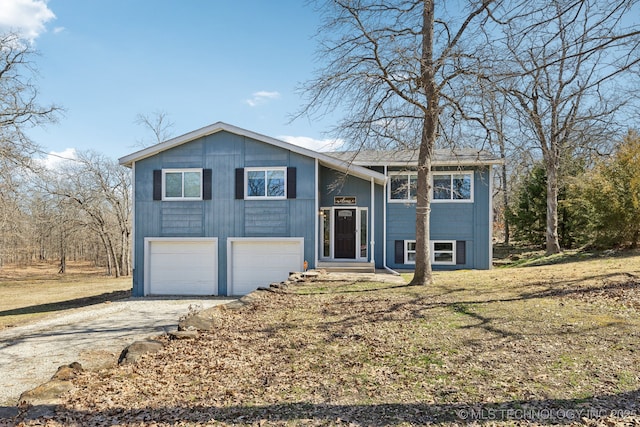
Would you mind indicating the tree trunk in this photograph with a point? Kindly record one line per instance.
(423, 273)
(505, 194)
(553, 244)
(63, 257)
(113, 256)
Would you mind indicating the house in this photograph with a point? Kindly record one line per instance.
(223, 210)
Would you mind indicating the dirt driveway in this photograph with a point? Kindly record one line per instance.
(93, 336)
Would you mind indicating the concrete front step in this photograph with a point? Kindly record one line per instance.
(347, 267)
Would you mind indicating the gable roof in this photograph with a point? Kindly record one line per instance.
(441, 157)
(323, 159)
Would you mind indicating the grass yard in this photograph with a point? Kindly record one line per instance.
(28, 293)
(544, 344)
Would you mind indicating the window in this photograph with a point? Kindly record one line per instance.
(326, 232)
(443, 252)
(363, 232)
(182, 184)
(265, 183)
(449, 186)
(403, 186)
(409, 251)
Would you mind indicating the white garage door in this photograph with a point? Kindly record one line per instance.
(255, 262)
(181, 266)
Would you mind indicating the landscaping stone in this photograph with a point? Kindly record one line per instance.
(134, 351)
(183, 335)
(49, 392)
(46, 394)
(67, 372)
(202, 321)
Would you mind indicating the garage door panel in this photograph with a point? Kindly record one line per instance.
(182, 267)
(256, 263)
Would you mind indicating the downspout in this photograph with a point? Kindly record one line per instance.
(384, 228)
(373, 217)
(316, 215)
(490, 217)
(133, 219)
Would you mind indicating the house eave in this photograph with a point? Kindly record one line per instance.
(435, 163)
(324, 159)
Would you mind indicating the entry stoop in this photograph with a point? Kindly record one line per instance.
(346, 267)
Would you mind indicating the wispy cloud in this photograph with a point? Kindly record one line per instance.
(25, 17)
(314, 144)
(58, 30)
(55, 159)
(261, 97)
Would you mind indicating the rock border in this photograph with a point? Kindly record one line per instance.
(43, 400)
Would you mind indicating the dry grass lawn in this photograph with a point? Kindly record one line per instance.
(28, 293)
(555, 343)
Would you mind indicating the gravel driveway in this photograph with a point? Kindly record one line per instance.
(93, 336)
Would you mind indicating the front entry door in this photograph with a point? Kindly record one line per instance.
(345, 233)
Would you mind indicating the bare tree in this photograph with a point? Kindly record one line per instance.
(100, 191)
(564, 66)
(495, 117)
(19, 109)
(394, 66)
(158, 123)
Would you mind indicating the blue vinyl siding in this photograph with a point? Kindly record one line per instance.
(223, 216)
(468, 222)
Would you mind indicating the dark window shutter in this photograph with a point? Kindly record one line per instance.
(291, 183)
(399, 251)
(461, 252)
(207, 184)
(240, 183)
(157, 184)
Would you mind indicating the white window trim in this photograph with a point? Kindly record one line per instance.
(264, 169)
(453, 252)
(407, 174)
(322, 231)
(406, 252)
(433, 253)
(181, 170)
(359, 233)
(465, 172)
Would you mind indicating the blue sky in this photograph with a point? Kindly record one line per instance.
(200, 61)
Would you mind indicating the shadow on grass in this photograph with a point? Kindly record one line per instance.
(69, 304)
(573, 256)
(344, 289)
(419, 306)
(541, 412)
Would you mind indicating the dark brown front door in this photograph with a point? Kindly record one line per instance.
(345, 233)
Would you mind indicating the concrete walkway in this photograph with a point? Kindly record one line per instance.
(93, 336)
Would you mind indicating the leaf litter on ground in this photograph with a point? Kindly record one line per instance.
(528, 345)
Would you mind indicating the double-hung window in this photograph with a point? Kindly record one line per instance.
(443, 252)
(265, 183)
(403, 186)
(409, 251)
(452, 186)
(182, 184)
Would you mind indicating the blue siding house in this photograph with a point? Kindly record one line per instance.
(223, 210)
